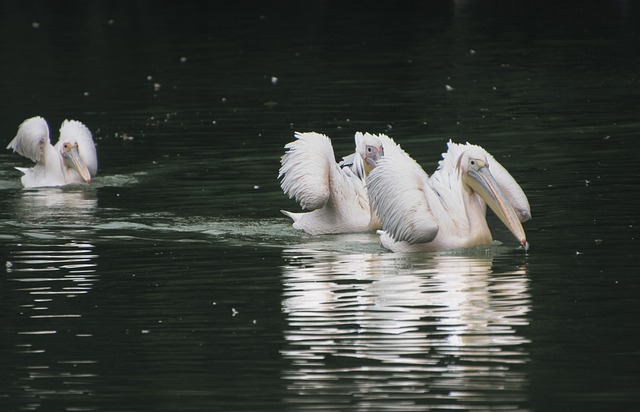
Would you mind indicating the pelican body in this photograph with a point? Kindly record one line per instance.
(448, 209)
(72, 160)
(334, 193)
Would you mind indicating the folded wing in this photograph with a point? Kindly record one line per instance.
(398, 193)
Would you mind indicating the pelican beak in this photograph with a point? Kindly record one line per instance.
(484, 184)
(73, 160)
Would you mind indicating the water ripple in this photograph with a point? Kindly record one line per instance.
(48, 276)
(442, 329)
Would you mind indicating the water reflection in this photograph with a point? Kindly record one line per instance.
(53, 212)
(51, 268)
(404, 332)
(66, 269)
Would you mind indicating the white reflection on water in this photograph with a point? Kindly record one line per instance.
(53, 267)
(47, 225)
(49, 213)
(45, 270)
(403, 332)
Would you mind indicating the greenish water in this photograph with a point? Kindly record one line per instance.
(174, 283)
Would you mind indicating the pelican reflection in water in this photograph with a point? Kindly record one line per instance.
(52, 229)
(403, 332)
(51, 271)
(72, 160)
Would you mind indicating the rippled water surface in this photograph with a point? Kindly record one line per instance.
(174, 283)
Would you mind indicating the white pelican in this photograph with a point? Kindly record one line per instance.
(448, 209)
(334, 192)
(72, 160)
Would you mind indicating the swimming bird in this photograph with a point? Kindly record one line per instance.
(448, 209)
(335, 193)
(72, 160)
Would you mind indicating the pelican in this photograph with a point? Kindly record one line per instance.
(335, 193)
(448, 209)
(72, 160)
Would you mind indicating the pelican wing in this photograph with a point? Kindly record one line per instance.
(31, 139)
(306, 169)
(397, 189)
(73, 131)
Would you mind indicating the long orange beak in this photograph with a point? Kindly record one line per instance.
(485, 185)
(73, 160)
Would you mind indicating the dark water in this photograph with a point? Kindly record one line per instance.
(174, 283)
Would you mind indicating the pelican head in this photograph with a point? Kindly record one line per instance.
(77, 149)
(73, 160)
(476, 177)
(370, 150)
(373, 154)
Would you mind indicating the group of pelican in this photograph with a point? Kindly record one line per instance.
(380, 187)
(73, 159)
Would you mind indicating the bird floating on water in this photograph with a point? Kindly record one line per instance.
(448, 209)
(72, 160)
(335, 193)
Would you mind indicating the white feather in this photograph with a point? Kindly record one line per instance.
(446, 186)
(437, 212)
(355, 160)
(306, 170)
(73, 131)
(335, 193)
(512, 191)
(397, 191)
(32, 141)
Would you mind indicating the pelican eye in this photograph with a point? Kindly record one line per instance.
(69, 146)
